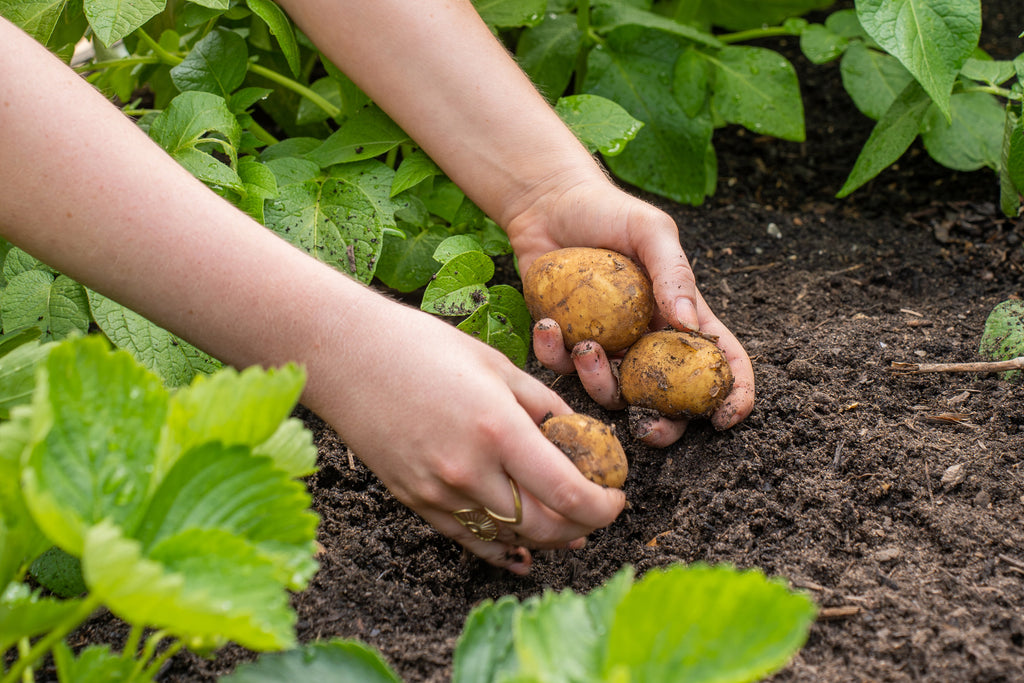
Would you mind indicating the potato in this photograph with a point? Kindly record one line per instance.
(591, 445)
(678, 374)
(593, 294)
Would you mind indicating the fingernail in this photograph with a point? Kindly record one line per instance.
(686, 314)
(577, 544)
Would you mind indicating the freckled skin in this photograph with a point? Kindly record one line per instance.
(593, 294)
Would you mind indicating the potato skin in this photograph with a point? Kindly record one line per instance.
(591, 293)
(591, 445)
(678, 374)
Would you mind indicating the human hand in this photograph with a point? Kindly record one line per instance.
(595, 213)
(445, 421)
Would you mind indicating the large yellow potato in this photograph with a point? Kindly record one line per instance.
(678, 374)
(591, 293)
(591, 445)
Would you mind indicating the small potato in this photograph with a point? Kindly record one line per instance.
(591, 445)
(591, 293)
(678, 374)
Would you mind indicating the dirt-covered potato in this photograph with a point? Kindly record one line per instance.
(591, 445)
(678, 374)
(592, 294)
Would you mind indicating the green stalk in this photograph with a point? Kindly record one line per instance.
(131, 646)
(165, 56)
(755, 33)
(261, 133)
(156, 663)
(46, 643)
(295, 86)
(27, 676)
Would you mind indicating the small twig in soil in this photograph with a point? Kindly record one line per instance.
(1011, 561)
(841, 612)
(981, 366)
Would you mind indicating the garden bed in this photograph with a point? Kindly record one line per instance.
(897, 502)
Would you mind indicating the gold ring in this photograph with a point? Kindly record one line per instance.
(483, 522)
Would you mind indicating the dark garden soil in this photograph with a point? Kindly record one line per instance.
(897, 502)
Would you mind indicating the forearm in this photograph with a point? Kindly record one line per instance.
(84, 189)
(434, 66)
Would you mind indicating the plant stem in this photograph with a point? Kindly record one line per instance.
(755, 33)
(131, 646)
(158, 50)
(114, 63)
(993, 90)
(27, 676)
(296, 87)
(262, 134)
(46, 643)
(155, 663)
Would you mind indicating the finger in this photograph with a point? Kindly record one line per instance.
(653, 429)
(597, 375)
(740, 401)
(549, 347)
(656, 237)
(514, 558)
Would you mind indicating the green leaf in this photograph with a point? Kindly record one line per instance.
(1003, 336)
(335, 660)
(18, 261)
(973, 139)
(368, 134)
(820, 45)
(233, 408)
(290, 448)
(609, 16)
(485, 650)
(57, 306)
(459, 287)
(739, 15)
(93, 663)
(1015, 153)
(192, 121)
(37, 19)
(497, 332)
(96, 419)
(21, 540)
(508, 306)
(989, 71)
(408, 264)
(873, 79)
(416, 167)
(510, 13)
(599, 123)
(18, 375)
(1011, 164)
(668, 154)
(309, 112)
(59, 572)
(931, 38)
(112, 20)
(260, 184)
(547, 53)
(341, 218)
(24, 614)
(206, 588)
(704, 623)
(456, 245)
(173, 359)
(758, 89)
(281, 28)
(217, 64)
(890, 138)
(690, 77)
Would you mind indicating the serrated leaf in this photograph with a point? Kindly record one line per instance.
(96, 419)
(24, 614)
(758, 89)
(217, 64)
(931, 38)
(57, 306)
(547, 52)
(600, 124)
(336, 660)
(1003, 335)
(281, 28)
(668, 154)
(339, 218)
(21, 540)
(290, 448)
(194, 119)
(112, 20)
(873, 79)
(408, 264)
(173, 359)
(18, 375)
(92, 663)
(230, 407)
(184, 591)
(59, 572)
(510, 13)
(37, 19)
(972, 140)
(890, 138)
(485, 650)
(368, 134)
(703, 623)
(458, 288)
